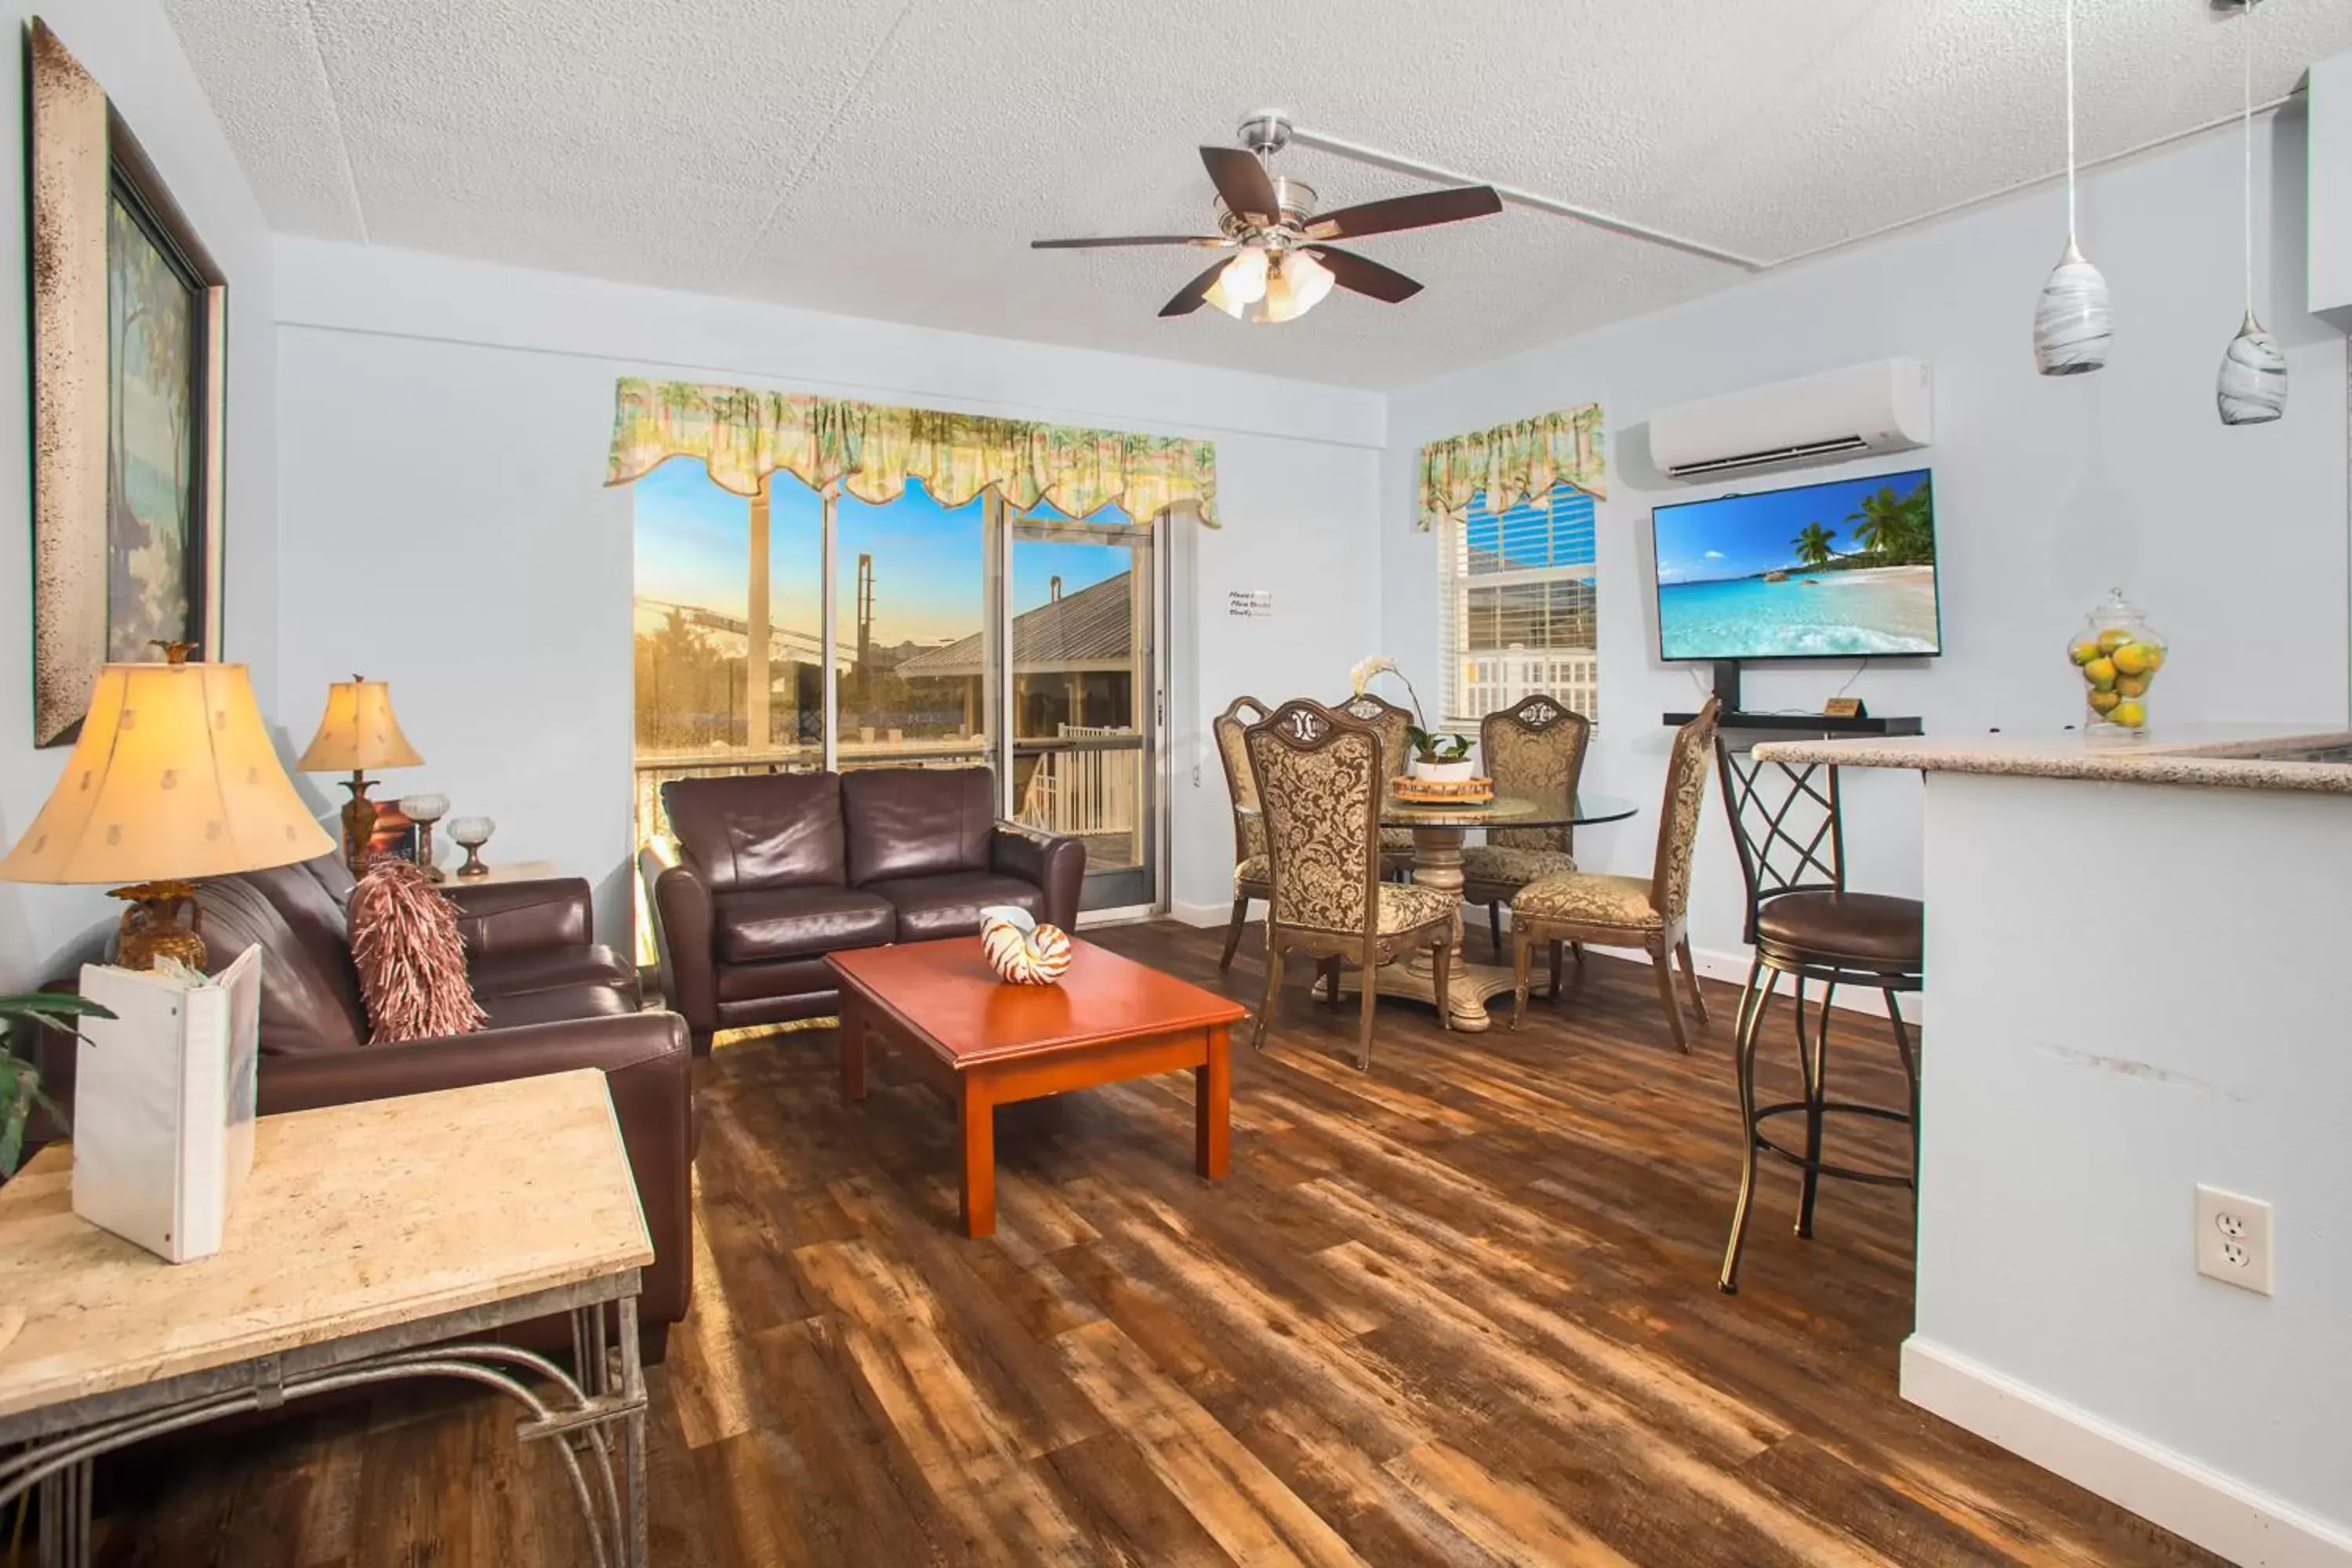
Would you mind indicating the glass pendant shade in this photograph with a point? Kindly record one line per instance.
(1242, 283)
(1296, 288)
(2073, 327)
(2251, 386)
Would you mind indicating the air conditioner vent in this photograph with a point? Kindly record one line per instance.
(1883, 406)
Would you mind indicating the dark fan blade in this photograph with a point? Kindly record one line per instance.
(1188, 298)
(1428, 208)
(1130, 239)
(1241, 179)
(1350, 270)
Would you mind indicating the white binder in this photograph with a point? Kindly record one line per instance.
(163, 1104)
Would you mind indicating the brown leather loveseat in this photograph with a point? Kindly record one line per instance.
(556, 1001)
(770, 873)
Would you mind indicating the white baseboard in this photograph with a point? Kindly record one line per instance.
(1208, 915)
(2218, 1512)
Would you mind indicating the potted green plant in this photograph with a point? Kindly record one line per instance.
(20, 1081)
(1437, 755)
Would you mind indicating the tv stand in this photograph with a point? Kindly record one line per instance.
(1730, 717)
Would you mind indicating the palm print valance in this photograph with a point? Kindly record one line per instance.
(1512, 463)
(743, 436)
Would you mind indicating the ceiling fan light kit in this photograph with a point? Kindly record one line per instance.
(2072, 324)
(2250, 389)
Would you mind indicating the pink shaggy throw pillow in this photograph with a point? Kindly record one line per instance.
(412, 961)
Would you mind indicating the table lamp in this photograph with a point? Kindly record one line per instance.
(358, 731)
(173, 780)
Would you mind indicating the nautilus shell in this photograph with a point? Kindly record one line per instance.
(1021, 950)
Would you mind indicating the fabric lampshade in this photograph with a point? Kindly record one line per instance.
(173, 780)
(358, 731)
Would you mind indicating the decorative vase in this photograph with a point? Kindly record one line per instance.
(1460, 769)
(2117, 655)
(471, 833)
(1021, 950)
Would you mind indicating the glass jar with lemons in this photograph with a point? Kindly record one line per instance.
(2118, 655)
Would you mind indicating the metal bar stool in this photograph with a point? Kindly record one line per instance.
(1787, 822)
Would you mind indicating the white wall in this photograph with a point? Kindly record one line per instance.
(2047, 491)
(131, 50)
(445, 428)
(2331, 190)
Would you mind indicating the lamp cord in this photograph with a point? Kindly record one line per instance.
(2070, 123)
(2249, 117)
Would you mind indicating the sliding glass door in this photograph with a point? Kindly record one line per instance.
(800, 629)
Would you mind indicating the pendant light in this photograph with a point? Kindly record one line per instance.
(2071, 326)
(2251, 386)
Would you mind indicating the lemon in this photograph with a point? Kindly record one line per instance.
(2153, 652)
(2131, 685)
(2103, 701)
(2135, 659)
(2113, 638)
(2083, 652)
(2101, 673)
(2129, 714)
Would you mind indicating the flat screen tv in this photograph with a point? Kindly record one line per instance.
(1828, 570)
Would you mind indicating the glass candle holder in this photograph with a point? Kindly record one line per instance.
(424, 810)
(471, 833)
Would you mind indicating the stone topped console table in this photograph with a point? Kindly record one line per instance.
(373, 1241)
(2134, 988)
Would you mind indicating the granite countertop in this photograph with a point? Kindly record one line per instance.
(2227, 756)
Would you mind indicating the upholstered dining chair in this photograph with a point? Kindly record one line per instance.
(1536, 747)
(1320, 777)
(1392, 723)
(1631, 912)
(1250, 876)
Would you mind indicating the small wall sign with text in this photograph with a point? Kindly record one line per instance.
(1250, 603)
(1843, 708)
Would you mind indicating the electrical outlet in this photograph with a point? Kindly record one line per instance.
(2233, 1239)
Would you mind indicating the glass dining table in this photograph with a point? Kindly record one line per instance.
(1438, 832)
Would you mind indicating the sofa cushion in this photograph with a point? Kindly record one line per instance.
(949, 904)
(521, 971)
(797, 922)
(412, 961)
(917, 822)
(303, 1006)
(760, 830)
(778, 977)
(560, 1005)
(311, 899)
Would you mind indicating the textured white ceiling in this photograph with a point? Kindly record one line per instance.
(892, 158)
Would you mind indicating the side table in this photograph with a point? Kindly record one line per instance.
(357, 1254)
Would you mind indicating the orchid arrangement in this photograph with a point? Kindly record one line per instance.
(1430, 745)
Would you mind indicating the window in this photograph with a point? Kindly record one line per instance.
(1515, 605)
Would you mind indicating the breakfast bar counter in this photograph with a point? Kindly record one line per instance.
(2134, 965)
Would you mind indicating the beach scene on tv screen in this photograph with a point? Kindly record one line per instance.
(1844, 568)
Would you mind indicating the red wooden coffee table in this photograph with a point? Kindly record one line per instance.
(984, 1043)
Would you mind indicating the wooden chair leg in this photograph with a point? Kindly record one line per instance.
(1495, 924)
(1371, 996)
(1658, 961)
(1234, 931)
(1327, 969)
(1555, 971)
(1690, 979)
(1443, 975)
(1522, 950)
(1273, 989)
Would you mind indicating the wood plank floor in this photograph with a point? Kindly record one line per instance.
(1461, 1310)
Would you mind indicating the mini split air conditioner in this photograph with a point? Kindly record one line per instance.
(1888, 406)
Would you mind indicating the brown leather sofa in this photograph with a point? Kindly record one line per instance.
(556, 1001)
(768, 873)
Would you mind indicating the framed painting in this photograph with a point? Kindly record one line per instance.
(128, 399)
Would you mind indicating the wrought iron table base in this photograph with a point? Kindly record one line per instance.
(598, 1417)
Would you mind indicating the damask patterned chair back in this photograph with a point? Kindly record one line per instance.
(1249, 833)
(1319, 787)
(1389, 722)
(1534, 748)
(1687, 766)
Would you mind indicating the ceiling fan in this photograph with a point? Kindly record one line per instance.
(1281, 266)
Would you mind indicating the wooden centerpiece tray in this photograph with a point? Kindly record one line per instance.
(1442, 792)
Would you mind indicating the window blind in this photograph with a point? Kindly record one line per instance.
(1516, 606)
